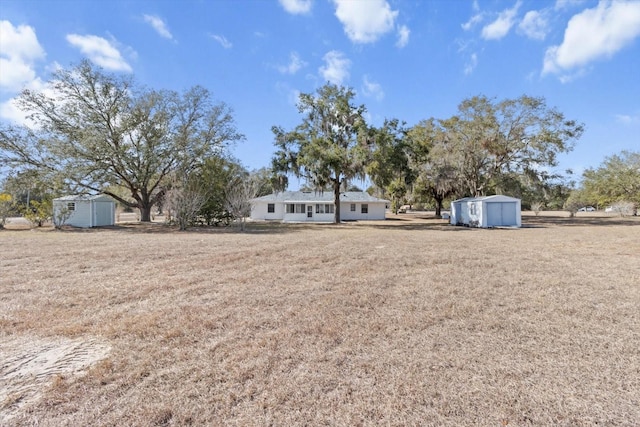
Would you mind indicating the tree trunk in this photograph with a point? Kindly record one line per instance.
(145, 213)
(439, 207)
(336, 202)
(145, 203)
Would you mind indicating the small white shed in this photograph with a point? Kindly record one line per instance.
(86, 210)
(487, 212)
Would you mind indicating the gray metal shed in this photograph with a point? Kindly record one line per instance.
(487, 212)
(87, 210)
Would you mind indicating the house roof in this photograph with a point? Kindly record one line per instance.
(84, 197)
(315, 196)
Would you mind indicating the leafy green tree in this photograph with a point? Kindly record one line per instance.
(213, 178)
(617, 179)
(38, 211)
(32, 195)
(98, 131)
(267, 181)
(577, 199)
(539, 188)
(27, 185)
(495, 141)
(6, 206)
(557, 194)
(432, 160)
(389, 165)
(329, 146)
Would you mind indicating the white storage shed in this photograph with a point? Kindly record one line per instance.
(86, 210)
(487, 212)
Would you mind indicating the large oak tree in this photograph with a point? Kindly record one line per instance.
(389, 167)
(432, 160)
(494, 141)
(330, 146)
(617, 179)
(99, 131)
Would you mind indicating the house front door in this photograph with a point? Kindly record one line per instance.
(309, 211)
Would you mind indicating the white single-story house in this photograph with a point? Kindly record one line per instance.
(486, 212)
(312, 206)
(86, 210)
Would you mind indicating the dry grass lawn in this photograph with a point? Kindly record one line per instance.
(402, 322)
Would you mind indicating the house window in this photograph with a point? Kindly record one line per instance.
(324, 208)
(353, 207)
(472, 209)
(298, 208)
(364, 208)
(71, 206)
(271, 208)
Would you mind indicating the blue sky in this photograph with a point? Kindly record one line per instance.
(405, 59)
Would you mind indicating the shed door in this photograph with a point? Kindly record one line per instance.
(494, 214)
(501, 214)
(509, 213)
(102, 214)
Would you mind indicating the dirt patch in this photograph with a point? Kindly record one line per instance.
(29, 365)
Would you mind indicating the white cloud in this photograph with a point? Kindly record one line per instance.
(473, 21)
(296, 7)
(19, 42)
(593, 34)
(336, 69)
(471, 65)
(372, 89)
(222, 40)
(463, 45)
(9, 109)
(100, 51)
(290, 94)
(534, 25)
(365, 21)
(293, 96)
(403, 36)
(159, 25)
(19, 50)
(501, 26)
(294, 65)
(11, 113)
(628, 119)
(15, 73)
(569, 77)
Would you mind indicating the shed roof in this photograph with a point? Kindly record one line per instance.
(495, 198)
(84, 197)
(316, 196)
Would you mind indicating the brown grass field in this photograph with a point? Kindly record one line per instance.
(396, 323)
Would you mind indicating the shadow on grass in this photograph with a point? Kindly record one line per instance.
(417, 223)
(164, 228)
(592, 221)
(413, 223)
